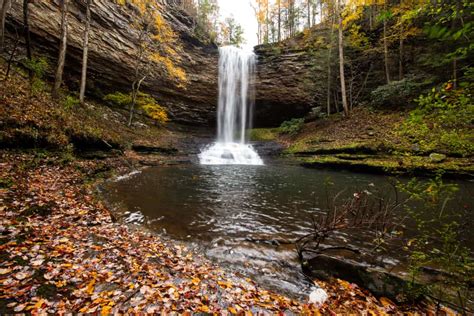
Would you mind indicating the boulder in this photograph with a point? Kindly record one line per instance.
(437, 158)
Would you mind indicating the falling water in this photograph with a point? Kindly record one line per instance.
(236, 70)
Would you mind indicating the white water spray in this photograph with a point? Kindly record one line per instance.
(234, 115)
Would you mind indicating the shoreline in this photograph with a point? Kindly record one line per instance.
(63, 250)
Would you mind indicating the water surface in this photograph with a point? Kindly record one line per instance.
(243, 216)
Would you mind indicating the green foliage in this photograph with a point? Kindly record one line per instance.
(439, 241)
(70, 102)
(152, 109)
(443, 120)
(232, 32)
(396, 93)
(39, 67)
(207, 16)
(120, 99)
(291, 127)
(263, 134)
(451, 24)
(144, 101)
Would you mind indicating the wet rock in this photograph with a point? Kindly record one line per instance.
(435, 157)
(144, 149)
(281, 77)
(376, 279)
(318, 297)
(227, 155)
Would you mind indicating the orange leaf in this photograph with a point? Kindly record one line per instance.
(386, 302)
(232, 310)
(90, 287)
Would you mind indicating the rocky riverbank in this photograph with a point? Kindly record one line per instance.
(369, 141)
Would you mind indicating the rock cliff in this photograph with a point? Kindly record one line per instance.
(291, 78)
(112, 43)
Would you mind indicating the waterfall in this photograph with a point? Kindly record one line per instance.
(234, 114)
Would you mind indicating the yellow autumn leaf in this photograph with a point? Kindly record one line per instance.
(90, 287)
(106, 310)
(38, 304)
(84, 309)
(204, 309)
(196, 281)
(232, 310)
(224, 284)
(386, 302)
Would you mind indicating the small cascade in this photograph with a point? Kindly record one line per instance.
(234, 115)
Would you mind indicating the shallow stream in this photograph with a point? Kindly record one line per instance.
(244, 217)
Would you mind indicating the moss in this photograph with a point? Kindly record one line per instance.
(417, 165)
(313, 146)
(264, 134)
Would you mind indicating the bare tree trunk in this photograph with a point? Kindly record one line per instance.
(85, 52)
(371, 24)
(135, 90)
(309, 12)
(401, 48)
(331, 36)
(341, 61)
(26, 33)
(279, 20)
(62, 47)
(3, 15)
(401, 58)
(385, 44)
(12, 55)
(267, 22)
(455, 61)
(321, 11)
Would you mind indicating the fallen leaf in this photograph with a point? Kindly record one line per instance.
(5, 271)
(90, 287)
(22, 275)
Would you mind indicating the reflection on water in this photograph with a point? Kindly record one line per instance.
(240, 215)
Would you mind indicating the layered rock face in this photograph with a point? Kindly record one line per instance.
(291, 79)
(112, 54)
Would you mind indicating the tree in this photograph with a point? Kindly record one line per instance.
(3, 14)
(279, 19)
(26, 32)
(85, 51)
(331, 36)
(341, 61)
(232, 32)
(156, 45)
(385, 17)
(207, 18)
(261, 9)
(64, 5)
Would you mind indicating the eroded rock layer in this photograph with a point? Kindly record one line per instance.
(111, 54)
